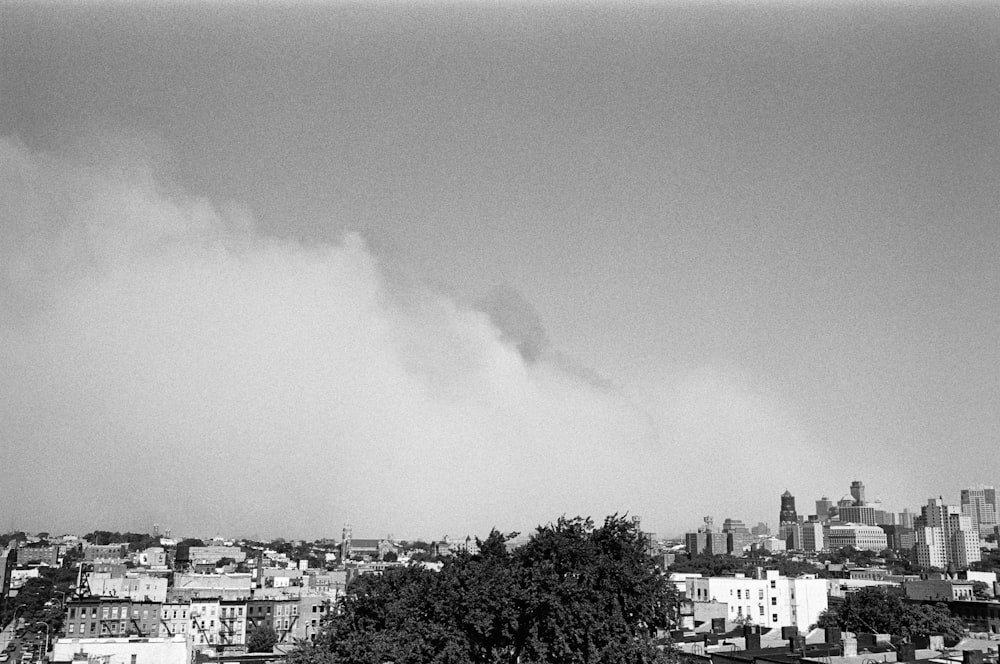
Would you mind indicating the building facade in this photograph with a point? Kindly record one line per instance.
(772, 601)
(858, 535)
(945, 537)
(979, 503)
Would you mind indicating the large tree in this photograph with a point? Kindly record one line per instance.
(882, 611)
(575, 593)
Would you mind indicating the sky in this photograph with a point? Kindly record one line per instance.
(434, 268)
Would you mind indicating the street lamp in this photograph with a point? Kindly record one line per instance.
(44, 652)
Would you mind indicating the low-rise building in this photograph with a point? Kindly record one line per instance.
(771, 601)
(175, 650)
(136, 587)
(945, 590)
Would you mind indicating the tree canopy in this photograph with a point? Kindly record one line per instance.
(262, 638)
(575, 593)
(878, 610)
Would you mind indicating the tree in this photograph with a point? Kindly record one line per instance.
(878, 610)
(262, 638)
(574, 593)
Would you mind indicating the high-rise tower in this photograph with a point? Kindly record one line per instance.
(787, 514)
(858, 493)
(980, 504)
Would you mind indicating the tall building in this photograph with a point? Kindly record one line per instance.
(812, 536)
(979, 503)
(906, 518)
(706, 540)
(858, 514)
(945, 536)
(739, 536)
(823, 506)
(858, 492)
(787, 514)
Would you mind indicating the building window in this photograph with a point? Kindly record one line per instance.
(739, 594)
(774, 617)
(773, 584)
(71, 628)
(774, 601)
(761, 607)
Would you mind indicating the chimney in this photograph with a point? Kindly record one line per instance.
(972, 657)
(752, 641)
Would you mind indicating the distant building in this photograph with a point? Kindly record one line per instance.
(812, 536)
(945, 537)
(858, 493)
(39, 555)
(760, 530)
(858, 535)
(858, 514)
(706, 540)
(135, 587)
(787, 513)
(979, 503)
(108, 553)
(899, 538)
(823, 507)
(739, 537)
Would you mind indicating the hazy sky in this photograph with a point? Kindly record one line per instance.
(432, 268)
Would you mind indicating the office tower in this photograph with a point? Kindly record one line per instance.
(945, 536)
(979, 503)
(858, 492)
(739, 535)
(823, 506)
(787, 514)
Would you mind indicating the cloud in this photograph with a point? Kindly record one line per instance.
(164, 360)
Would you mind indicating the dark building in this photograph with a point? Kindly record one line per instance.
(111, 617)
(787, 515)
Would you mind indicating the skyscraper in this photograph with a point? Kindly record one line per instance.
(823, 506)
(979, 503)
(945, 536)
(787, 514)
(858, 492)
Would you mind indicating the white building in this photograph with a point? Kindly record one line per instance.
(979, 503)
(773, 601)
(206, 623)
(945, 536)
(136, 587)
(858, 535)
(174, 619)
(176, 650)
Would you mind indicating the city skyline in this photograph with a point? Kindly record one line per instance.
(432, 268)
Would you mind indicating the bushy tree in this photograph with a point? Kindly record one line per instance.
(262, 638)
(879, 610)
(575, 594)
